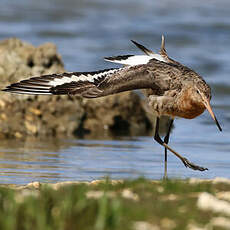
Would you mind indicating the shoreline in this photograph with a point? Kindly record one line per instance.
(57, 185)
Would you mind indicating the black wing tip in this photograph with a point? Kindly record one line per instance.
(109, 58)
(134, 42)
(138, 44)
(7, 89)
(14, 88)
(118, 58)
(143, 48)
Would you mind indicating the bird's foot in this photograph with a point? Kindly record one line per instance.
(189, 164)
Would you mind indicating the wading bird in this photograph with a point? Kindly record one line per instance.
(172, 89)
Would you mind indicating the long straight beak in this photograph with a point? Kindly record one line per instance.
(208, 107)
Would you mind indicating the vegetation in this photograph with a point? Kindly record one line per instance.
(138, 204)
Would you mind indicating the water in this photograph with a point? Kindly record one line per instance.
(197, 34)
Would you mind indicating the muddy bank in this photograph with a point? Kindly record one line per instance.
(21, 115)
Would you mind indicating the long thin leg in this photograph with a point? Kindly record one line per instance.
(186, 162)
(166, 141)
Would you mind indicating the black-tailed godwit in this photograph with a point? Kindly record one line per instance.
(172, 89)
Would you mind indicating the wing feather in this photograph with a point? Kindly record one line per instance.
(153, 75)
(65, 83)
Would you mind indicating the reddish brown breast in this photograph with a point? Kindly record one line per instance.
(188, 108)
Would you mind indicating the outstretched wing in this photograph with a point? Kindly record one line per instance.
(95, 84)
(61, 84)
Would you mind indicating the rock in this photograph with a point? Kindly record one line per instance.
(19, 60)
(128, 194)
(193, 226)
(143, 225)
(220, 222)
(208, 202)
(224, 195)
(35, 184)
(121, 114)
(219, 180)
(167, 223)
(100, 194)
(26, 115)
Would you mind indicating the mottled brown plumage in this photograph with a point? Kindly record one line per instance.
(172, 89)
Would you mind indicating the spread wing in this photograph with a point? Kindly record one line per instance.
(96, 84)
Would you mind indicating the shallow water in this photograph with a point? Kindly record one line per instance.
(197, 34)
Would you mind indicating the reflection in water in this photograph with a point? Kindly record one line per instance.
(29, 159)
(62, 160)
(54, 160)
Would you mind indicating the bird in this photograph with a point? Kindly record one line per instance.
(172, 89)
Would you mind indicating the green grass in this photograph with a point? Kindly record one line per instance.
(168, 204)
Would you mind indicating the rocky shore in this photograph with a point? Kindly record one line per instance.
(22, 115)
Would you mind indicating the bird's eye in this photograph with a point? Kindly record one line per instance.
(198, 91)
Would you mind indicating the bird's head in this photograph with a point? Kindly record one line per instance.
(202, 95)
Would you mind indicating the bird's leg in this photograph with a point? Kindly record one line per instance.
(166, 141)
(186, 162)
